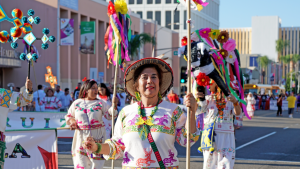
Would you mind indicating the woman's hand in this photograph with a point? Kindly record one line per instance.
(231, 98)
(73, 124)
(28, 85)
(190, 101)
(90, 144)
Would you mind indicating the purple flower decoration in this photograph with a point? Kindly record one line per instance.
(218, 58)
(204, 33)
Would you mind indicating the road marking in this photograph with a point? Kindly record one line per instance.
(63, 142)
(251, 142)
(281, 154)
(70, 166)
(285, 128)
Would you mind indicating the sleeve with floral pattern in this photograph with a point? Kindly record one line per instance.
(179, 118)
(71, 113)
(116, 144)
(107, 111)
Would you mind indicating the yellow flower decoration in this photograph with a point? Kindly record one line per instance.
(141, 121)
(214, 33)
(121, 6)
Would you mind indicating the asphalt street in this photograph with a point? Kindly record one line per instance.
(265, 142)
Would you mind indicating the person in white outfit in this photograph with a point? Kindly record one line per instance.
(250, 104)
(37, 97)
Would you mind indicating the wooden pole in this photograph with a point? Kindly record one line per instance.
(189, 87)
(115, 93)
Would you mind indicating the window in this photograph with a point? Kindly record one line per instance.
(139, 2)
(157, 1)
(176, 20)
(149, 1)
(168, 19)
(168, 1)
(131, 1)
(184, 19)
(149, 15)
(158, 17)
(253, 61)
(140, 13)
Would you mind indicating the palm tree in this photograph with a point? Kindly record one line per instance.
(280, 45)
(294, 59)
(263, 62)
(137, 41)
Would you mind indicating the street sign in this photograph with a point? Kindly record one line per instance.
(175, 53)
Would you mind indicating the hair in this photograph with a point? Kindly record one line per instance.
(40, 87)
(18, 88)
(66, 89)
(49, 88)
(102, 85)
(140, 69)
(201, 89)
(85, 87)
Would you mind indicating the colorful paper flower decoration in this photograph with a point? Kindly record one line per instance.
(223, 52)
(229, 45)
(27, 28)
(111, 8)
(223, 37)
(84, 79)
(204, 32)
(17, 13)
(184, 41)
(231, 57)
(4, 36)
(202, 79)
(16, 32)
(121, 6)
(214, 33)
(218, 58)
(50, 78)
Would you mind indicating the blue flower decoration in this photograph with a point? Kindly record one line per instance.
(37, 20)
(34, 57)
(14, 45)
(25, 19)
(46, 31)
(30, 12)
(23, 56)
(52, 39)
(45, 46)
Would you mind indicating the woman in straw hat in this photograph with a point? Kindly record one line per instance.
(145, 131)
(217, 140)
(86, 116)
(51, 103)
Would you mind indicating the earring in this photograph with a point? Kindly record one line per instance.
(137, 96)
(159, 95)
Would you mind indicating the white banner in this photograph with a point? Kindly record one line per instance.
(284, 105)
(273, 105)
(38, 120)
(34, 149)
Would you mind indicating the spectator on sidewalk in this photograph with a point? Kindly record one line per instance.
(37, 97)
(66, 100)
(76, 91)
(173, 97)
(279, 105)
(51, 103)
(58, 93)
(263, 101)
(291, 104)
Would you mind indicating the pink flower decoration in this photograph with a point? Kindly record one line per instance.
(204, 32)
(85, 111)
(202, 3)
(229, 45)
(218, 59)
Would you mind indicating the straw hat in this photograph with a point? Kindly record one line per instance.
(49, 88)
(167, 75)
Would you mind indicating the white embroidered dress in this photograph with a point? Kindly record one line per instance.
(169, 126)
(224, 145)
(88, 115)
(52, 104)
(250, 105)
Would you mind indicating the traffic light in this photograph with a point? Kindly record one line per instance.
(183, 75)
(182, 81)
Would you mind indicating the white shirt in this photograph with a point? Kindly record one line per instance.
(65, 100)
(56, 94)
(41, 94)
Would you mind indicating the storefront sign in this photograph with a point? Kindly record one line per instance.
(87, 35)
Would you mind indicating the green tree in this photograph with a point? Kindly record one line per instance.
(139, 40)
(280, 45)
(263, 62)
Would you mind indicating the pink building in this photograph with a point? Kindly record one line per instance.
(73, 65)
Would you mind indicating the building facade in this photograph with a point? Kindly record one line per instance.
(67, 62)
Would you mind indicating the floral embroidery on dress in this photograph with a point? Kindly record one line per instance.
(162, 120)
(132, 121)
(126, 160)
(169, 160)
(147, 161)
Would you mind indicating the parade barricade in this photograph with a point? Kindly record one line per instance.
(284, 105)
(273, 105)
(31, 148)
(38, 120)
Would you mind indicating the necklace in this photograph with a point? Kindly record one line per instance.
(143, 122)
(221, 104)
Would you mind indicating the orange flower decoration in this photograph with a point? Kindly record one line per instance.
(221, 113)
(224, 53)
(84, 79)
(223, 37)
(111, 8)
(202, 79)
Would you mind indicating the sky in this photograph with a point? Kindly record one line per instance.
(238, 13)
